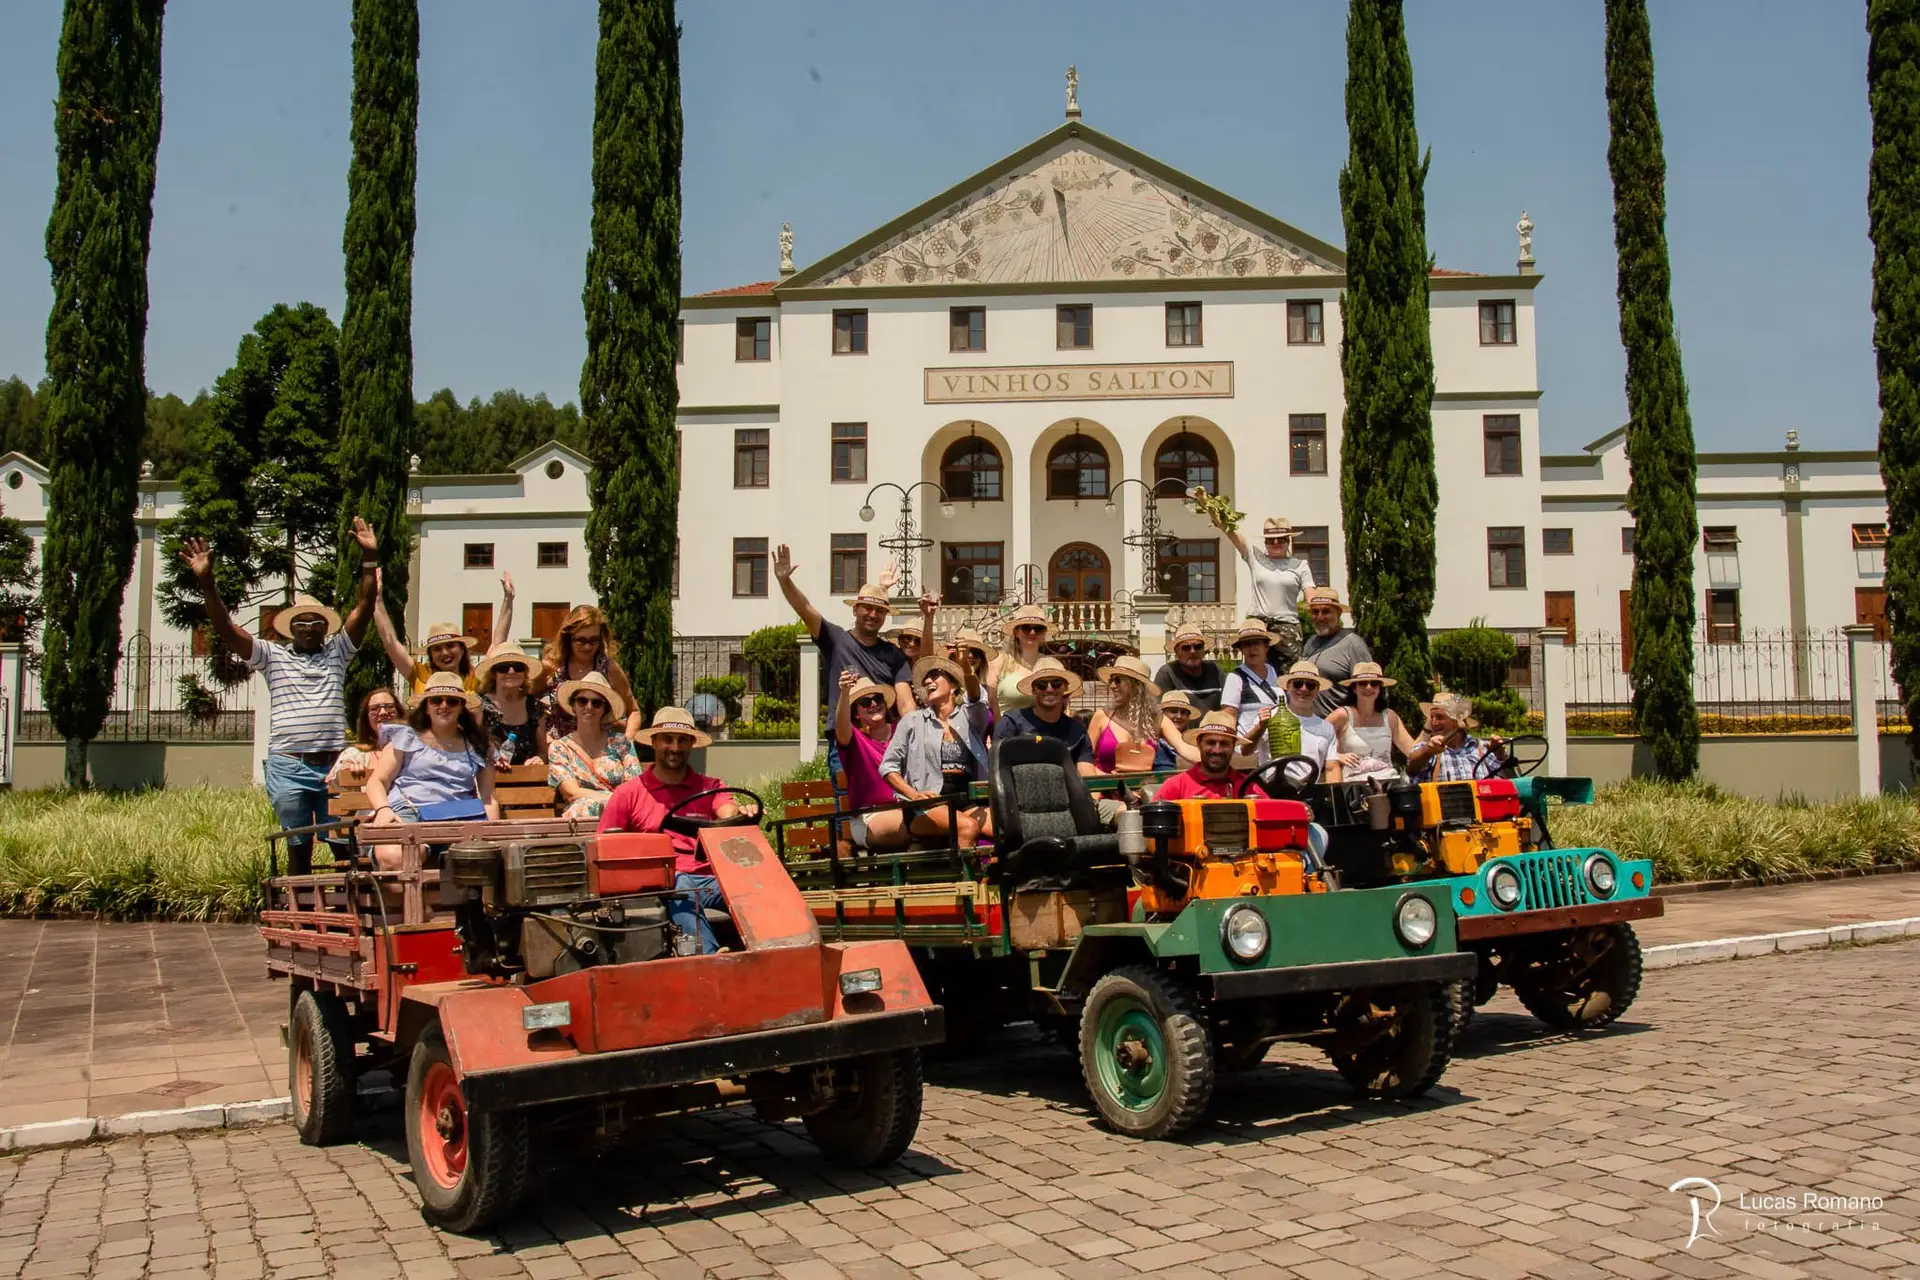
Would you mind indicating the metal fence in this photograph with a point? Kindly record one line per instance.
(697, 657)
(1759, 681)
(161, 693)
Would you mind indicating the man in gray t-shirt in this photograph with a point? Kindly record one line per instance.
(1279, 579)
(1332, 648)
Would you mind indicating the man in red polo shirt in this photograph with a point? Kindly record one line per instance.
(640, 803)
(1214, 778)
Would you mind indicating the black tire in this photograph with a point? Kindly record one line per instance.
(485, 1182)
(1605, 961)
(1139, 1010)
(320, 1067)
(1460, 996)
(1240, 1057)
(873, 1120)
(1407, 1058)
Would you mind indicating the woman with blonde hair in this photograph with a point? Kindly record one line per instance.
(1126, 736)
(583, 644)
(1022, 632)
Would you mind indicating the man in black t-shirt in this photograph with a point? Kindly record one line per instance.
(1192, 670)
(859, 649)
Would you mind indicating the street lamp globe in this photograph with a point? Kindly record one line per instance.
(946, 509)
(1109, 507)
(866, 515)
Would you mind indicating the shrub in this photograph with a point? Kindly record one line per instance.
(768, 708)
(1503, 710)
(198, 701)
(760, 729)
(729, 689)
(776, 652)
(1473, 659)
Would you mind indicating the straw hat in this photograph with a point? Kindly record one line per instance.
(968, 638)
(1368, 671)
(1129, 666)
(1304, 670)
(672, 720)
(444, 684)
(1278, 527)
(871, 593)
(1221, 722)
(864, 687)
(1027, 615)
(1049, 668)
(447, 633)
(304, 607)
(1326, 597)
(502, 654)
(1187, 631)
(908, 629)
(1176, 698)
(594, 682)
(944, 665)
(1253, 629)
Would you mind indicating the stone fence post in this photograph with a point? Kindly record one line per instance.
(1862, 683)
(1556, 688)
(1150, 628)
(809, 698)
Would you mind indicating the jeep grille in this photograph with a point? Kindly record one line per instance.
(1551, 880)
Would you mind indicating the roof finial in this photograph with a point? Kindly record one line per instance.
(1793, 441)
(1525, 228)
(1073, 92)
(786, 248)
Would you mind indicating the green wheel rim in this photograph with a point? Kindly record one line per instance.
(1130, 1054)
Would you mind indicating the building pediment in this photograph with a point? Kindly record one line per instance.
(1072, 208)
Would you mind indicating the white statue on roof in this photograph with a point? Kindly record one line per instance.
(786, 248)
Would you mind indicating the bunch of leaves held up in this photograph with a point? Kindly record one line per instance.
(1215, 507)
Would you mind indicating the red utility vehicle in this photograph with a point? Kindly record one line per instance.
(535, 978)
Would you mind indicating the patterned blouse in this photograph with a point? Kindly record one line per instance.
(597, 776)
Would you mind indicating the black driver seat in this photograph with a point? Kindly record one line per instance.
(1046, 830)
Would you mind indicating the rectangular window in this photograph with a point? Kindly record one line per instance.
(1303, 324)
(1190, 570)
(1556, 542)
(552, 555)
(1073, 327)
(1626, 541)
(1307, 444)
(1870, 610)
(476, 620)
(750, 566)
(1496, 323)
(850, 453)
(750, 457)
(970, 572)
(1870, 550)
(1183, 324)
(968, 328)
(679, 341)
(479, 555)
(1507, 557)
(753, 338)
(1723, 556)
(1310, 544)
(1560, 612)
(1501, 432)
(549, 617)
(1723, 615)
(849, 333)
(847, 562)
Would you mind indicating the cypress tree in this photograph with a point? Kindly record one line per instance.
(1893, 219)
(376, 328)
(106, 126)
(1388, 490)
(628, 394)
(1661, 491)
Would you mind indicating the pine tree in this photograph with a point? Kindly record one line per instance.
(1660, 459)
(376, 329)
(628, 394)
(1893, 218)
(1388, 491)
(20, 607)
(106, 128)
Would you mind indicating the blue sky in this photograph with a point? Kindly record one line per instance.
(837, 118)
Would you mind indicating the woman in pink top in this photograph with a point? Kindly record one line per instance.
(863, 726)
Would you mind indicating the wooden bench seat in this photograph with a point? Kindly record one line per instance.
(522, 790)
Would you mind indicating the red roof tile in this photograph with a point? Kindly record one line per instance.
(1442, 271)
(759, 288)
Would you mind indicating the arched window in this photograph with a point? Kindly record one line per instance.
(970, 470)
(1077, 468)
(1188, 459)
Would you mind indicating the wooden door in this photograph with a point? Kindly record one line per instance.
(1080, 571)
(476, 620)
(547, 620)
(1626, 630)
(1560, 613)
(1870, 609)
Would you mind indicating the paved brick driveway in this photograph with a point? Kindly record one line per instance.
(1540, 1155)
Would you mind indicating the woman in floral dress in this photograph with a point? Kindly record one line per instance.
(587, 764)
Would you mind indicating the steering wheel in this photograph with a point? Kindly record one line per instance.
(673, 822)
(1291, 788)
(1526, 753)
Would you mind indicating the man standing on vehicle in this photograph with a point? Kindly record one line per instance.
(861, 649)
(306, 686)
(1332, 648)
(1214, 778)
(1191, 670)
(639, 804)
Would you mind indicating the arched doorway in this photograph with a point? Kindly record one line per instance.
(1079, 571)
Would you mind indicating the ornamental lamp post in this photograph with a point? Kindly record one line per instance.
(906, 541)
(1150, 536)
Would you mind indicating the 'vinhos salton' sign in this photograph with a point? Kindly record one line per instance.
(1080, 382)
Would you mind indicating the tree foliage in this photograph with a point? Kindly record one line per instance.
(21, 611)
(1388, 491)
(489, 436)
(376, 329)
(1660, 458)
(1893, 218)
(628, 391)
(166, 442)
(106, 126)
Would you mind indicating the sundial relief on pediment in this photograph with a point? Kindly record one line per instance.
(1073, 216)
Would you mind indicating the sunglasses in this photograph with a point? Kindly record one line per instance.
(1190, 648)
(586, 639)
(1374, 685)
(1178, 713)
(446, 702)
(872, 702)
(1030, 629)
(308, 624)
(579, 703)
(382, 709)
(1302, 684)
(1049, 686)
(515, 670)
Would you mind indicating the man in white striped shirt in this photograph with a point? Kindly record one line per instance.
(306, 686)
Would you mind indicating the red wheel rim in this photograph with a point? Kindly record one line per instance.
(442, 1125)
(302, 1069)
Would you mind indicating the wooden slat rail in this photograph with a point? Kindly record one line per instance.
(522, 790)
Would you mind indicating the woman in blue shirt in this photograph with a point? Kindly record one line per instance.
(437, 764)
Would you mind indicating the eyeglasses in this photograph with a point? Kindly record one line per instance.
(872, 702)
(382, 709)
(1178, 713)
(581, 638)
(1049, 686)
(308, 624)
(446, 702)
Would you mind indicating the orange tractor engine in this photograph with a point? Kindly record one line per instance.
(1192, 849)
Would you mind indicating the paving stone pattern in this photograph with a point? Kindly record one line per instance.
(1540, 1155)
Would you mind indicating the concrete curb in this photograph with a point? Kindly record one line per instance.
(1675, 954)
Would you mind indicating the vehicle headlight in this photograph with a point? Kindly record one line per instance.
(546, 1017)
(1503, 886)
(1415, 920)
(859, 982)
(1601, 877)
(1243, 931)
